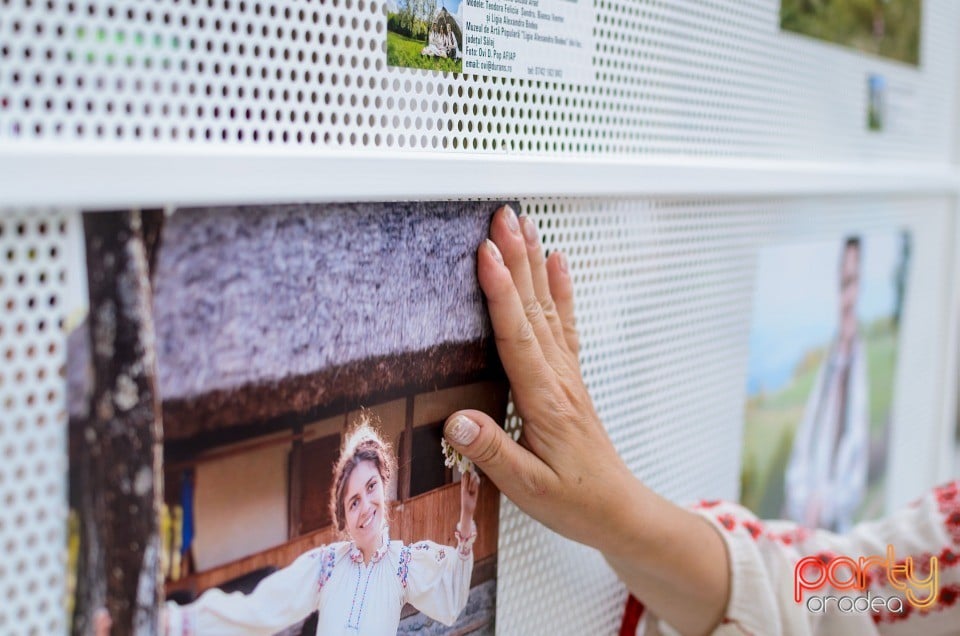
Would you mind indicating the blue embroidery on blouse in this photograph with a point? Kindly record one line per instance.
(351, 624)
(327, 561)
(403, 570)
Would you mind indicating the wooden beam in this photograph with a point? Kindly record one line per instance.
(406, 452)
(295, 484)
(119, 487)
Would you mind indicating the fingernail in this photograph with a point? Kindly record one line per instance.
(529, 230)
(461, 430)
(511, 218)
(564, 266)
(495, 251)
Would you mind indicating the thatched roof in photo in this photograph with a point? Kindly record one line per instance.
(260, 312)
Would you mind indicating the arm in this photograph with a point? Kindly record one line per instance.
(469, 492)
(281, 599)
(436, 577)
(567, 473)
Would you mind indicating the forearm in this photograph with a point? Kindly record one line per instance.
(669, 558)
(465, 523)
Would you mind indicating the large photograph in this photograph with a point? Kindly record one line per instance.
(306, 360)
(888, 28)
(823, 351)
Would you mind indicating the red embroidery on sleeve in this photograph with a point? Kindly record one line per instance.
(727, 521)
(948, 597)
(708, 503)
(948, 503)
(755, 528)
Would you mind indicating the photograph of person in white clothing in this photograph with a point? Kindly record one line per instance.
(279, 329)
(823, 346)
(358, 585)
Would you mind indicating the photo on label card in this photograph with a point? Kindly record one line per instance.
(888, 28)
(876, 102)
(820, 384)
(306, 359)
(425, 34)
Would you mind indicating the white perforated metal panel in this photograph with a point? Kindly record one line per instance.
(664, 293)
(694, 78)
(207, 101)
(34, 278)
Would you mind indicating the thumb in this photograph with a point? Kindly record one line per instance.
(517, 472)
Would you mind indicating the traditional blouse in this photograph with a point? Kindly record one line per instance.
(764, 554)
(352, 597)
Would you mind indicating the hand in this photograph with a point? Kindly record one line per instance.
(102, 622)
(565, 471)
(469, 491)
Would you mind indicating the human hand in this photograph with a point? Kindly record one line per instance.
(102, 622)
(565, 471)
(469, 492)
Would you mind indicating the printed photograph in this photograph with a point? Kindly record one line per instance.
(306, 360)
(876, 102)
(425, 34)
(820, 384)
(888, 28)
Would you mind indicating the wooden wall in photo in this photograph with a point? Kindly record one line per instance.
(434, 516)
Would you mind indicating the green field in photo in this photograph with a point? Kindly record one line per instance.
(404, 51)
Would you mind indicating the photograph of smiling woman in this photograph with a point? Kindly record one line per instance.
(359, 585)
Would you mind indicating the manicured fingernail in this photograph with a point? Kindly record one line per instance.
(495, 251)
(461, 430)
(564, 266)
(529, 230)
(511, 217)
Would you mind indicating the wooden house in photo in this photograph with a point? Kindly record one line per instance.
(274, 327)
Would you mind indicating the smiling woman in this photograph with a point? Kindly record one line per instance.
(358, 585)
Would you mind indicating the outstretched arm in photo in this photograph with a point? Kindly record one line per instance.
(437, 577)
(280, 600)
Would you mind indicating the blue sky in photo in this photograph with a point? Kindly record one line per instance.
(795, 306)
(452, 6)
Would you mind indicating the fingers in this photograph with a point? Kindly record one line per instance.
(561, 290)
(538, 273)
(520, 350)
(510, 235)
(102, 622)
(518, 473)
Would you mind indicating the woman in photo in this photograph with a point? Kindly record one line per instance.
(360, 585)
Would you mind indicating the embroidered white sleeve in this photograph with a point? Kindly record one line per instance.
(436, 579)
(764, 554)
(281, 599)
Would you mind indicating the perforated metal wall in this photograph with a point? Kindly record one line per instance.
(663, 300)
(663, 285)
(696, 78)
(34, 278)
